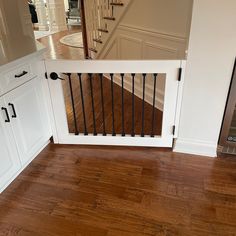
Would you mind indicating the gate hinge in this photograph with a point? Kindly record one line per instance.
(180, 74)
(173, 130)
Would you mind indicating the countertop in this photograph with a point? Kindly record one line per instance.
(37, 52)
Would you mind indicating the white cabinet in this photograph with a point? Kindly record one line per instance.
(28, 118)
(24, 123)
(9, 160)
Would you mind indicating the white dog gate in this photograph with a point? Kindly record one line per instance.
(134, 103)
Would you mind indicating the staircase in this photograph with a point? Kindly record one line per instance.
(102, 18)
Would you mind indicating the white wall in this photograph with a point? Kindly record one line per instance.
(212, 50)
(166, 16)
(16, 32)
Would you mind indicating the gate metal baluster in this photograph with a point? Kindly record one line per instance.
(112, 101)
(82, 101)
(153, 106)
(102, 100)
(92, 100)
(122, 104)
(73, 103)
(143, 104)
(132, 132)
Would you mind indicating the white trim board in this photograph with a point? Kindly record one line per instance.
(195, 147)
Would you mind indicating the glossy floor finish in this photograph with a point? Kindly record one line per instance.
(57, 50)
(112, 191)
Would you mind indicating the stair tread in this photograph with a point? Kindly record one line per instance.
(103, 30)
(117, 4)
(97, 40)
(93, 50)
(109, 18)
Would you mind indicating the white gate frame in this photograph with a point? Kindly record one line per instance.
(172, 100)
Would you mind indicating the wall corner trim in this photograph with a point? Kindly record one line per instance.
(195, 147)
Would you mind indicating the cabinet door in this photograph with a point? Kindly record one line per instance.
(9, 159)
(29, 119)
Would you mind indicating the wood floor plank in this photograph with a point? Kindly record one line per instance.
(113, 191)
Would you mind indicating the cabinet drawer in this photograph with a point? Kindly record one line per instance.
(17, 76)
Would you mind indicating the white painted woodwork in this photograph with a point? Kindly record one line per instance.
(57, 15)
(170, 68)
(42, 15)
(25, 136)
(208, 73)
(135, 43)
(8, 79)
(9, 160)
(29, 129)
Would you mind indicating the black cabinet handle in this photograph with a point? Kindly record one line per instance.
(13, 110)
(21, 74)
(7, 115)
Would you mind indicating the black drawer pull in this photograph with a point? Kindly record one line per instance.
(22, 74)
(7, 115)
(13, 110)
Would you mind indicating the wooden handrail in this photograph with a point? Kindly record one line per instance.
(84, 30)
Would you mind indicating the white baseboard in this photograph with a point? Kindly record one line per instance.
(195, 147)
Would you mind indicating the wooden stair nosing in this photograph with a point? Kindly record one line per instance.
(117, 4)
(103, 30)
(97, 41)
(93, 50)
(109, 18)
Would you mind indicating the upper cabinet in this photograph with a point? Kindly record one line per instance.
(16, 32)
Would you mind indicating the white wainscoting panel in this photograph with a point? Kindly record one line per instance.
(132, 43)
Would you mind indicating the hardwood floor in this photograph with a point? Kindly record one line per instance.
(112, 191)
(56, 50)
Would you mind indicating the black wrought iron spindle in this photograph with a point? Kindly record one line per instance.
(143, 105)
(92, 102)
(122, 104)
(112, 9)
(112, 104)
(132, 131)
(153, 104)
(73, 104)
(102, 101)
(82, 102)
